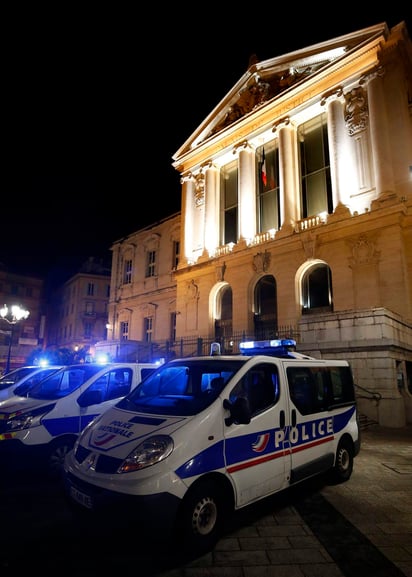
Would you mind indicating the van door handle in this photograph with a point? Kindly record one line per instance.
(294, 418)
(282, 419)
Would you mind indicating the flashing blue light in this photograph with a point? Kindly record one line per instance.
(272, 347)
(160, 361)
(102, 359)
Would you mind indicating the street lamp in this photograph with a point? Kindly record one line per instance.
(12, 316)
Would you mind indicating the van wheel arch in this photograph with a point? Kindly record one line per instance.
(342, 470)
(203, 513)
(55, 454)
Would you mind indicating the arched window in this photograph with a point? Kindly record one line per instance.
(317, 289)
(223, 325)
(265, 317)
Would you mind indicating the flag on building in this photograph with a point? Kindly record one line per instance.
(263, 168)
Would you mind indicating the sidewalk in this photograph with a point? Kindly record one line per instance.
(362, 527)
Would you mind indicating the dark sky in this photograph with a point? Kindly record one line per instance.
(95, 105)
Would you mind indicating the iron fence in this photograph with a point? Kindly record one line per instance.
(199, 346)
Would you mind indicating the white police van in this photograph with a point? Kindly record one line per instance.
(40, 428)
(204, 436)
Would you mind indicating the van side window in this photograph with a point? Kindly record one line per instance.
(342, 389)
(301, 389)
(315, 389)
(260, 386)
(114, 384)
(120, 381)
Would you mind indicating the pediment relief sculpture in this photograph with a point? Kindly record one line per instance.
(261, 89)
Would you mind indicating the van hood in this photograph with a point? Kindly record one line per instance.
(120, 431)
(14, 405)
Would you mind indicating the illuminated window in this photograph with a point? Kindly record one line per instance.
(315, 167)
(176, 254)
(128, 268)
(148, 329)
(124, 331)
(268, 186)
(151, 263)
(229, 186)
(317, 289)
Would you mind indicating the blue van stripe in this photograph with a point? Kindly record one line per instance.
(258, 447)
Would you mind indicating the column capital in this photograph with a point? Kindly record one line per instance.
(187, 177)
(206, 165)
(244, 144)
(281, 122)
(377, 72)
(333, 94)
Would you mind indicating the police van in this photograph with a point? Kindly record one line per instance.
(204, 436)
(40, 426)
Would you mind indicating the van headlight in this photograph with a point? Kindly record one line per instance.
(26, 420)
(150, 451)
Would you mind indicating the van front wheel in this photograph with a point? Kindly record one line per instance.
(201, 517)
(56, 455)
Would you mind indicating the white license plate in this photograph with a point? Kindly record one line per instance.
(81, 498)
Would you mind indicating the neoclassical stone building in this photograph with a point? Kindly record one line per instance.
(296, 212)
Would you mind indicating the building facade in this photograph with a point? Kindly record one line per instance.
(78, 309)
(142, 309)
(296, 217)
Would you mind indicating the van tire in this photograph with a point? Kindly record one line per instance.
(343, 468)
(201, 517)
(56, 455)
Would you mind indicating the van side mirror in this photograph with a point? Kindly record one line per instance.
(239, 411)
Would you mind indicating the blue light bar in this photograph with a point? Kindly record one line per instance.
(272, 347)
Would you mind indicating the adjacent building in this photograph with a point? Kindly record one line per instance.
(142, 307)
(78, 309)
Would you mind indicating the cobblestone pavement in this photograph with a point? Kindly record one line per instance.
(361, 527)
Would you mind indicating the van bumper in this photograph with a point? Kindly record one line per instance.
(153, 511)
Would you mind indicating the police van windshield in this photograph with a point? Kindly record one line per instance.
(183, 387)
(63, 382)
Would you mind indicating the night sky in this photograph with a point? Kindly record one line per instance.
(95, 106)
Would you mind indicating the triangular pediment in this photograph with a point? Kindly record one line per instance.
(268, 80)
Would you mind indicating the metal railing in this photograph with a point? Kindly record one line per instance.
(198, 346)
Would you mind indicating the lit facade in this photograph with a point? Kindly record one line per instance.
(296, 216)
(142, 308)
(78, 310)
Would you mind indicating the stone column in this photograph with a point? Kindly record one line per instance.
(186, 233)
(198, 214)
(212, 209)
(247, 193)
(288, 173)
(382, 161)
(340, 168)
